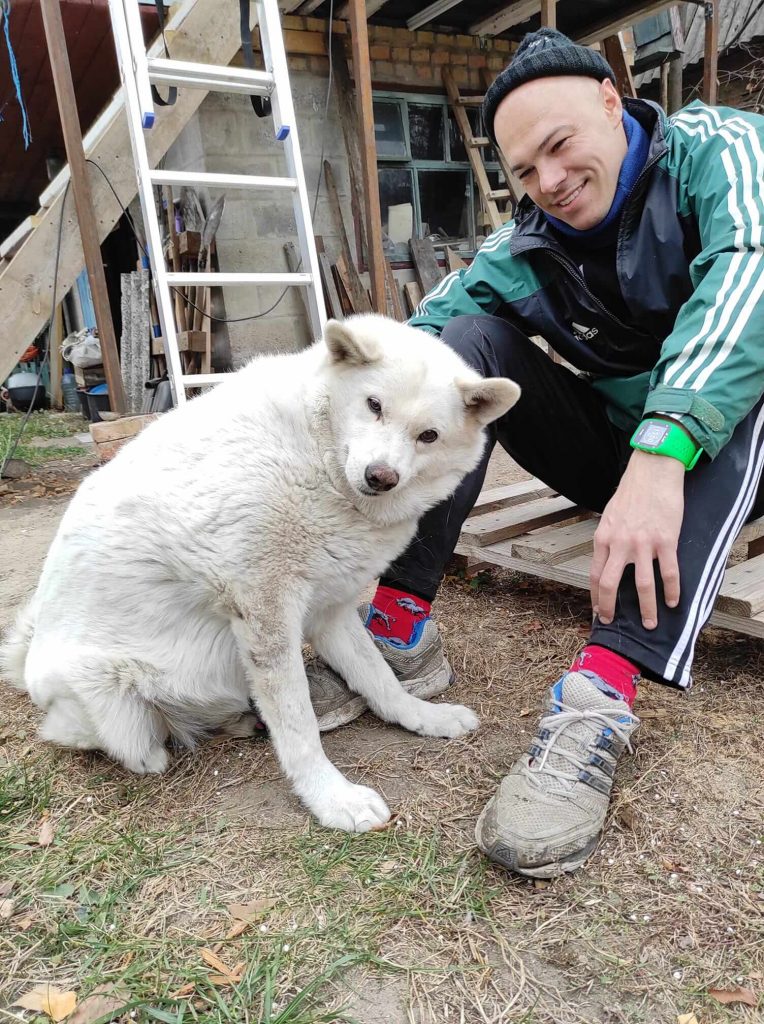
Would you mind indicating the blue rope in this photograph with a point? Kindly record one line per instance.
(5, 14)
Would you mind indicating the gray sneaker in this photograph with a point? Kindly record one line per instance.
(547, 815)
(422, 668)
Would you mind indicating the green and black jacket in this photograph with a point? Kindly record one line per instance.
(690, 268)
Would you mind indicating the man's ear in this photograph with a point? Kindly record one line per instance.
(346, 347)
(489, 399)
(611, 100)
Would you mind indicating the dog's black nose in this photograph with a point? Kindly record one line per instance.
(380, 477)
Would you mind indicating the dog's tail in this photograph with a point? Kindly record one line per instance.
(15, 647)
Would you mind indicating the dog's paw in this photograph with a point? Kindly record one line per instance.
(152, 762)
(449, 720)
(352, 808)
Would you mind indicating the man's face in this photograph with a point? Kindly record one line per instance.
(564, 139)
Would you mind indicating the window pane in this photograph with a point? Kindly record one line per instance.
(458, 152)
(396, 197)
(388, 130)
(444, 202)
(426, 132)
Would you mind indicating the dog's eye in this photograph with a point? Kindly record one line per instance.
(428, 436)
(375, 405)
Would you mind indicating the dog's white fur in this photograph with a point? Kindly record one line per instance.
(187, 572)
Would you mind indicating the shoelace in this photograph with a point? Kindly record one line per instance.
(556, 723)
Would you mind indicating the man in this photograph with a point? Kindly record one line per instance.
(637, 254)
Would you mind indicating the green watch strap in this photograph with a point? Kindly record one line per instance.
(662, 437)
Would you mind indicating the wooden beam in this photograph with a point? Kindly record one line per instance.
(56, 359)
(83, 197)
(616, 58)
(549, 13)
(500, 21)
(355, 288)
(430, 13)
(628, 16)
(362, 72)
(711, 51)
(345, 93)
(372, 6)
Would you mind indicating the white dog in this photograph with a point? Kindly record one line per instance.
(187, 572)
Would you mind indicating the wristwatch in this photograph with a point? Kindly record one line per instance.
(661, 437)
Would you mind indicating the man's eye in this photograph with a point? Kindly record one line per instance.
(428, 436)
(557, 145)
(375, 405)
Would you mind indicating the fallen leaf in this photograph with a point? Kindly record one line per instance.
(106, 999)
(687, 1018)
(213, 960)
(653, 713)
(47, 999)
(237, 928)
(45, 837)
(23, 924)
(626, 815)
(524, 712)
(6, 909)
(224, 979)
(673, 865)
(184, 990)
(388, 866)
(5, 888)
(734, 995)
(250, 911)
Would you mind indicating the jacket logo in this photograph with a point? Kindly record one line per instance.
(584, 333)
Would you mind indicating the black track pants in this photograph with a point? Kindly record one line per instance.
(559, 431)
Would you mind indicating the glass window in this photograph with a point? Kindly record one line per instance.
(388, 131)
(426, 132)
(396, 199)
(444, 198)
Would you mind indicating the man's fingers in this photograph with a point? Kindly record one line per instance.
(608, 588)
(669, 567)
(599, 559)
(644, 578)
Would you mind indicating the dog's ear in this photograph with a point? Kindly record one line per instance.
(489, 399)
(346, 347)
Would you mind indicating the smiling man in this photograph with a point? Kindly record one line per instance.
(637, 254)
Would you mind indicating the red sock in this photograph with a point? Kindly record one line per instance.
(395, 613)
(620, 674)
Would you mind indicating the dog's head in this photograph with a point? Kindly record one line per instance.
(407, 413)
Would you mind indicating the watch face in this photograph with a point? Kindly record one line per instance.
(653, 434)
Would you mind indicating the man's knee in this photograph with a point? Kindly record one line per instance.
(486, 343)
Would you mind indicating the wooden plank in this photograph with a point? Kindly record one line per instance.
(343, 277)
(179, 296)
(454, 260)
(26, 281)
(394, 304)
(413, 295)
(494, 498)
(549, 13)
(425, 264)
(626, 16)
(556, 544)
(430, 13)
(344, 91)
(56, 338)
(742, 591)
(359, 33)
(751, 531)
(507, 17)
(16, 239)
(331, 296)
(350, 277)
(188, 341)
(711, 51)
(616, 58)
(491, 527)
(83, 197)
(372, 6)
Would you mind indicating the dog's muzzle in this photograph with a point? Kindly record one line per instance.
(380, 477)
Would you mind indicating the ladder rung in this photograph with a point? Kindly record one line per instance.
(499, 193)
(198, 380)
(213, 279)
(470, 101)
(221, 180)
(479, 141)
(210, 76)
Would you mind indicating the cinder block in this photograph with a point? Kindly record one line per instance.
(420, 56)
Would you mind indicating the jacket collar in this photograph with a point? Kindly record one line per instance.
(533, 230)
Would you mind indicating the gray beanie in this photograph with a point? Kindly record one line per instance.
(543, 54)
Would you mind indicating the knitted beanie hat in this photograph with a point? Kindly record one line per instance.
(543, 54)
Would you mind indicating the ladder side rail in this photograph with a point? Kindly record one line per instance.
(146, 193)
(139, 62)
(272, 43)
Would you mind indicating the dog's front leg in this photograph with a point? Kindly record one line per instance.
(279, 686)
(340, 638)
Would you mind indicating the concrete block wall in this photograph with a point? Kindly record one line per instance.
(226, 136)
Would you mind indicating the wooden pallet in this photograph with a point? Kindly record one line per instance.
(527, 527)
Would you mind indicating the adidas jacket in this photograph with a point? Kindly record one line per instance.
(690, 267)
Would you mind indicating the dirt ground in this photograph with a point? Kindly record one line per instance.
(666, 921)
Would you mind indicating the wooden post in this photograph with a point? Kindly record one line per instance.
(362, 74)
(549, 13)
(83, 198)
(616, 58)
(55, 359)
(711, 50)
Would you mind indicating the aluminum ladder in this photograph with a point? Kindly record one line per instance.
(138, 72)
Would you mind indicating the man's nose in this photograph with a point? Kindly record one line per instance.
(551, 176)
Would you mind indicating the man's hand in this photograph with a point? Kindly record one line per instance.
(640, 523)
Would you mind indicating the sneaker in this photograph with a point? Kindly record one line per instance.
(421, 665)
(547, 815)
